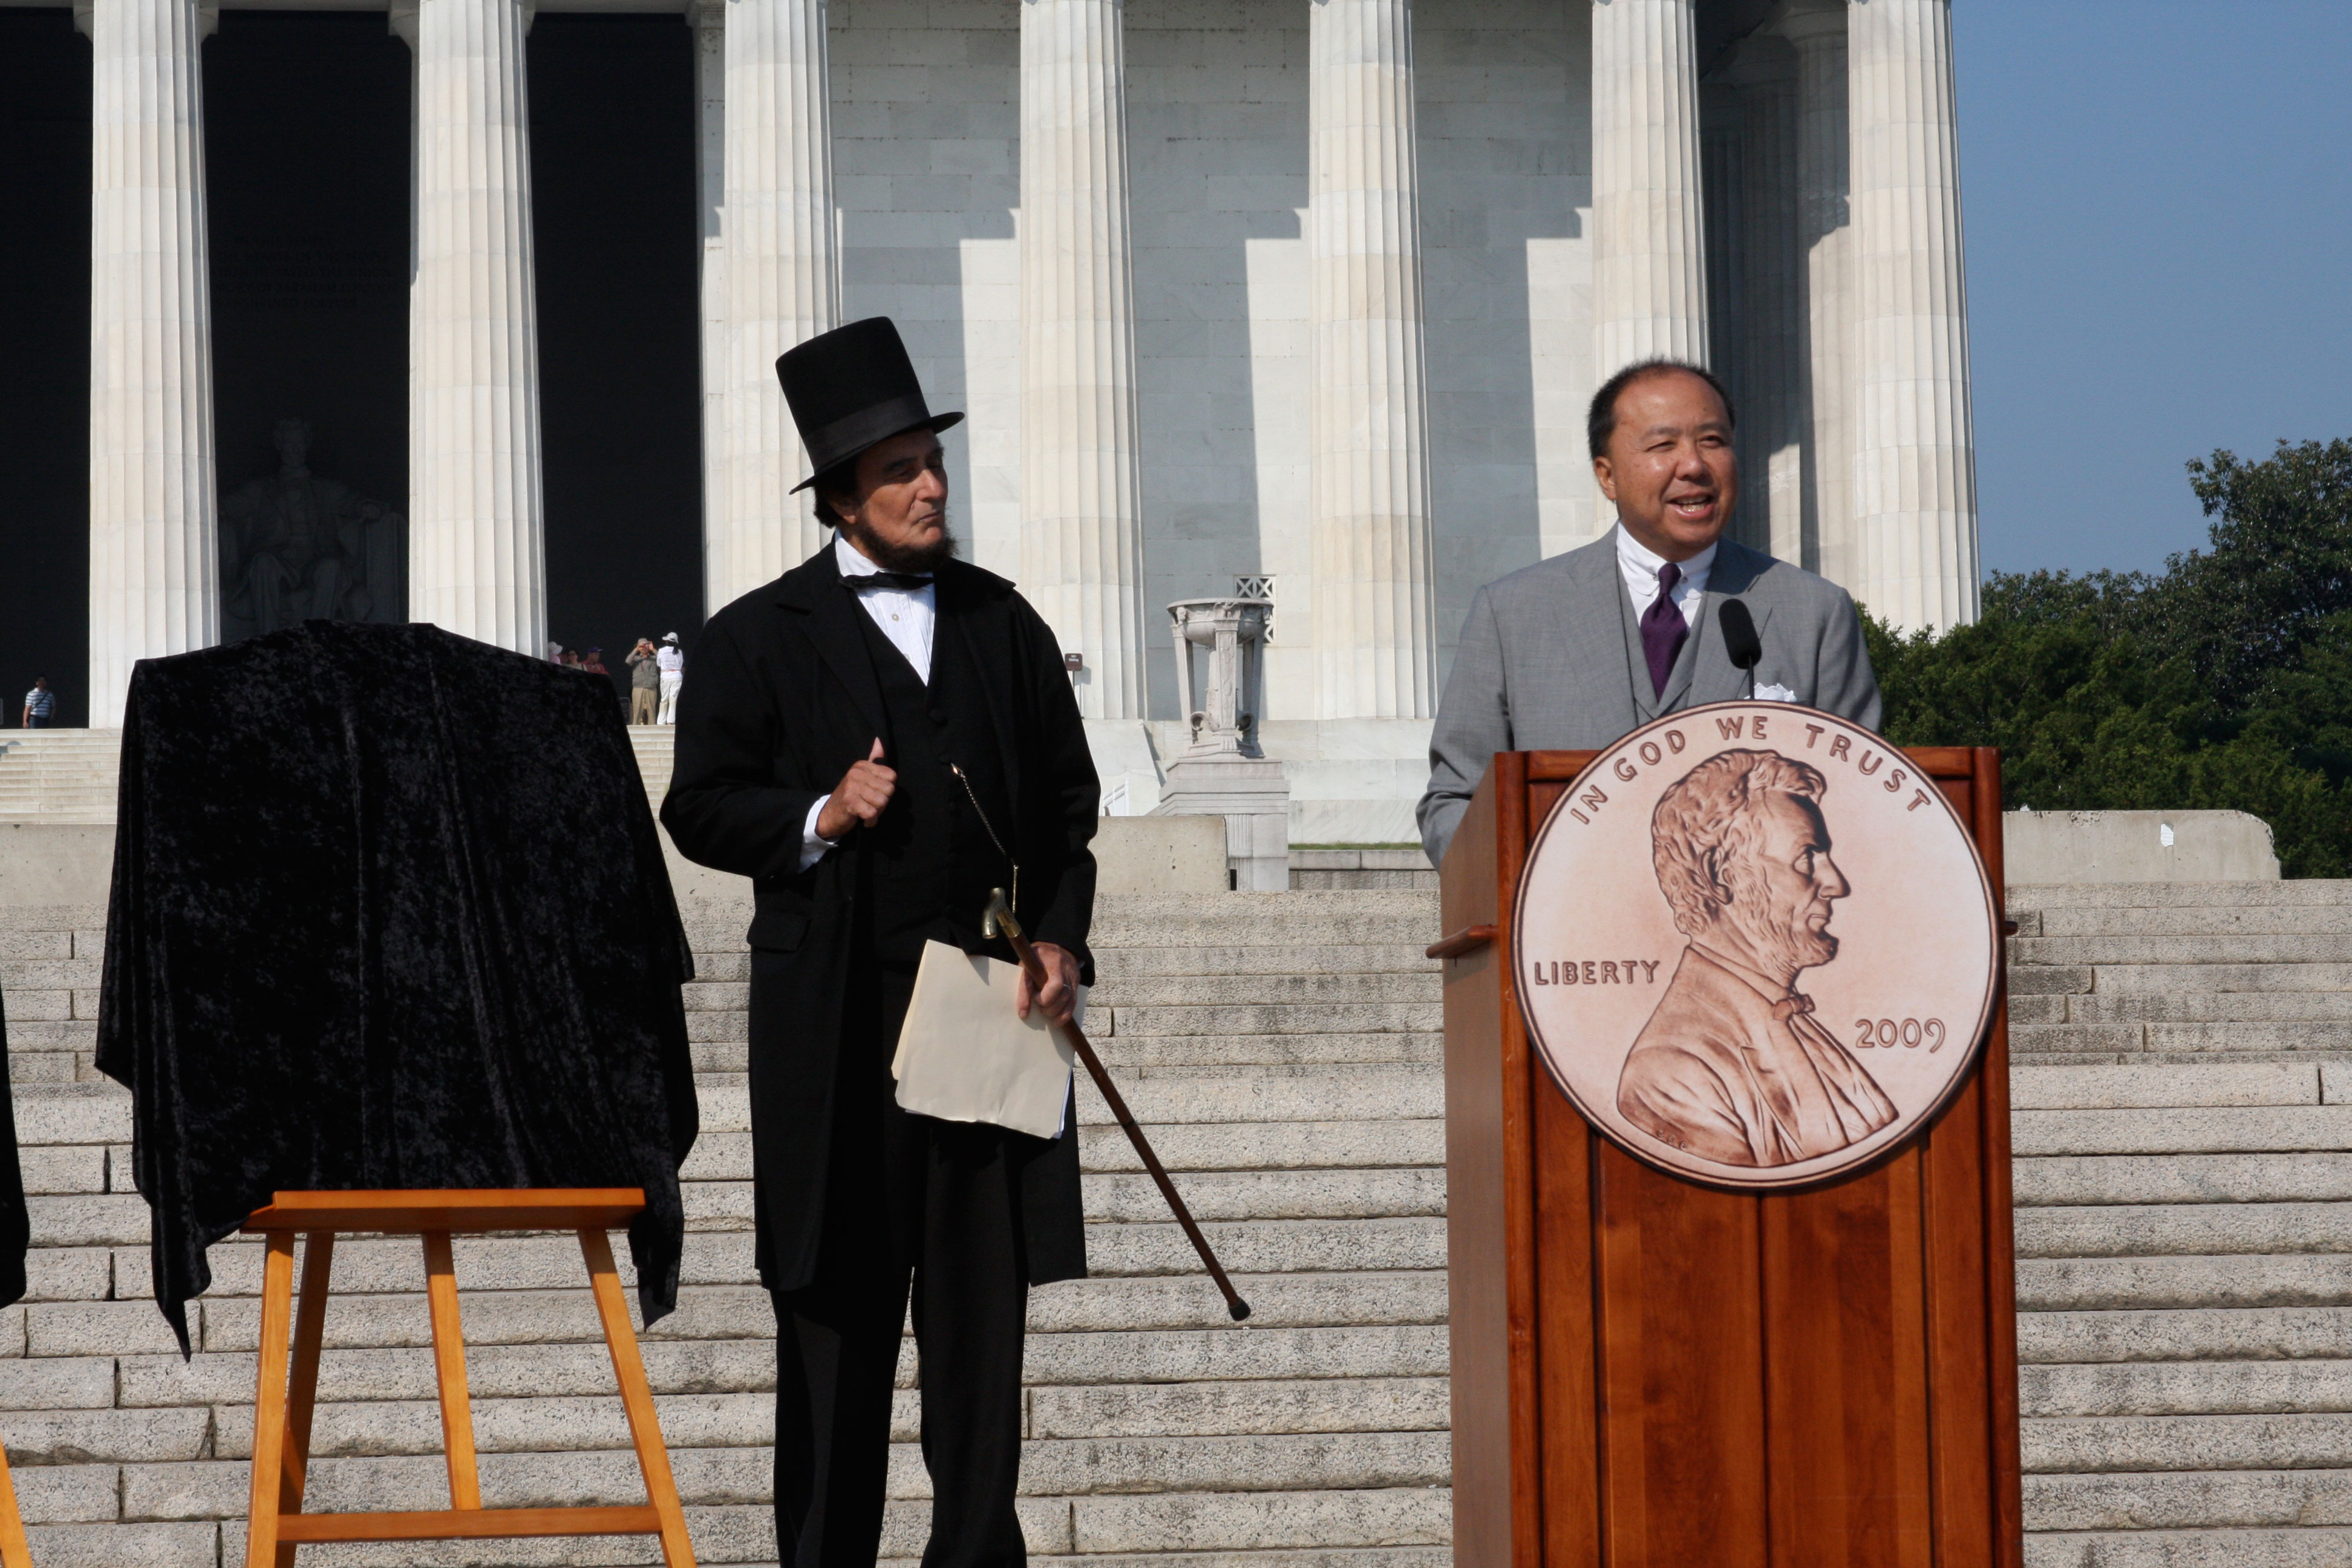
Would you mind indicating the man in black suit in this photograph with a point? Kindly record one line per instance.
(878, 738)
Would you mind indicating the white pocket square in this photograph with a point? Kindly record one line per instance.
(1775, 694)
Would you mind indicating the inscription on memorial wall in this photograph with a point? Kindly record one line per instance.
(1754, 946)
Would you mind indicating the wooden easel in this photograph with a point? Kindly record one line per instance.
(281, 1416)
(14, 1552)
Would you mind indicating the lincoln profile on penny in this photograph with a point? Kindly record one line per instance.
(1732, 1066)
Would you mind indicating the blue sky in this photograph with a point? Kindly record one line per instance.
(2158, 200)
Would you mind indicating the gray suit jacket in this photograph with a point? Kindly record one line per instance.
(1550, 659)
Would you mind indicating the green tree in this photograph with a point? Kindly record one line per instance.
(2280, 564)
(2226, 682)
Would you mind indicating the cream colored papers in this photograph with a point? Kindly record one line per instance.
(965, 1055)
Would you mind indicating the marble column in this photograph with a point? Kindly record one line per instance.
(1772, 329)
(1081, 492)
(1375, 648)
(155, 574)
(708, 20)
(1914, 463)
(1649, 257)
(1825, 239)
(1722, 156)
(783, 283)
(476, 559)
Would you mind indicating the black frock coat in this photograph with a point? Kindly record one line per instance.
(782, 701)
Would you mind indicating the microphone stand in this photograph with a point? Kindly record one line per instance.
(1000, 918)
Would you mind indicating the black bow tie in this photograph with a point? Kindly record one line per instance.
(905, 581)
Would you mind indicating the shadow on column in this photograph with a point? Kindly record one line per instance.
(45, 108)
(617, 253)
(306, 191)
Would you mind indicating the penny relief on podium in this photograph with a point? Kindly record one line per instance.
(1754, 946)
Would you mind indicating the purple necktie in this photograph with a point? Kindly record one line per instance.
(1663, 631)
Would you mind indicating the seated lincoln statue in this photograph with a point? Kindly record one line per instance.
(1732, 1066)
(296, 547)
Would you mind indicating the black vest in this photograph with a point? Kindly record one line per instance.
(930, 861)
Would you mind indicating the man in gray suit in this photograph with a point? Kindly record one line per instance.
(1572, 652)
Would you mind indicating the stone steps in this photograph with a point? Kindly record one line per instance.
(2185, 1316)
(66, 776)
(2185, 1272)
(1290, 1074)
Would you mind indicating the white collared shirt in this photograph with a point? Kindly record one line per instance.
(903, 615)
(1640, 565)
(907, 617)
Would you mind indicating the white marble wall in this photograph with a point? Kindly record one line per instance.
(926, 122)
(926, 170)
(1217, 143)
(1507, 273)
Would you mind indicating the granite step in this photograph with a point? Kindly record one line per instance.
(2160, 1500)
(2181, 1130)
(2283, 1547)
(2135, 1443)
(2300, 893)
(2306, 1037)
(2033, 1087)
(1425, 1047)
(1350, 919)
(2132, 1334)
(1422, 985)
(2182, 1179)
(2194, 975)
(2196, 920)
(2208, 1007)
(2186, 1388)
(1270, 1146)
(1164, 1096)
(1290, 958)
(2328, 949)
(2121, 1284)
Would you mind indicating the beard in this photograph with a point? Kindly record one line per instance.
(1782, 939)
(900, 557)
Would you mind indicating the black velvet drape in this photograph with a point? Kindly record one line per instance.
(15, 1223)
(389, 911)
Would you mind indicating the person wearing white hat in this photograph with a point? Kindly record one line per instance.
(671, 661)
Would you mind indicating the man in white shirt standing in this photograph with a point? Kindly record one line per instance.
(878, 738)
(1573, 652)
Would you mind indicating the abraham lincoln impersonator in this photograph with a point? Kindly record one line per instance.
(878, 738)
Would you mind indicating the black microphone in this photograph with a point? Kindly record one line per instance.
(1740, 643)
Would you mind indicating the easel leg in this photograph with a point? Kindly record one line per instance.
(449, 1372)
(310, 1332)
(14, 1552)
(636, 1398)
(269, 1402)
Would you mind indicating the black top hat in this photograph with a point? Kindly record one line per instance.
(850, 388)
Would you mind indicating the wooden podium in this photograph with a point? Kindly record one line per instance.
(1651, 1374)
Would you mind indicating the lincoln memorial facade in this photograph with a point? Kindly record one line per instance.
(466, 313)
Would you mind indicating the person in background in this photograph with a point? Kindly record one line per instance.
(40, 704)
(672, 660)
(593, 662)
(645, 683)
(568, 659)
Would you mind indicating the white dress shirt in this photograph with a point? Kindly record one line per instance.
(1640, 565)
(903, 616)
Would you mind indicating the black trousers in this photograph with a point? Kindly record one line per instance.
(909, 1201)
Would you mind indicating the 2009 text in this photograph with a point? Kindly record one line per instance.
(1890, 1033)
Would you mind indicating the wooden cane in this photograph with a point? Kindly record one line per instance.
(999, 914)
